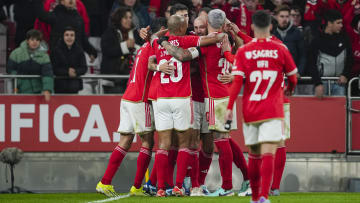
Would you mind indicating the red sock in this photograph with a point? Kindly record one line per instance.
(225, 162)
(173, 153)
(267, 172)
(254, 175)
(204, 165)
(153, 175)
(142, 165)
(114, 162)
(280, 159)
(182, 165)
(194, 172)
(239, 159)
(162, 167)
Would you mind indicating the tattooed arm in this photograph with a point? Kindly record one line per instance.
(180, 53)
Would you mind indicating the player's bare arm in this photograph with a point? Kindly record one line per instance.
(164, 67)
(180, 53)
(212, 39)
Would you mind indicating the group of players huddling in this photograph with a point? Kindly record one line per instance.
(184, 86)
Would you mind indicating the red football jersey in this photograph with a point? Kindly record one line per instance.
(196, 82)
(177, 84)
(214, 64)
(140, 76)
(155, 82)
(263, 62)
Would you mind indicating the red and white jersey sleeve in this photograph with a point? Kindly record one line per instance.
(212, 67)
(140, 76)
(263, 62)
(177, 84)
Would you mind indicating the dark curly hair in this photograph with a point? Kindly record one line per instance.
(117, 15)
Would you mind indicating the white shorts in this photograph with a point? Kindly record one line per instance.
(173, 114)
(215, 114)
(200, 122)
(268, 131)
(287, 120)
(136, 118)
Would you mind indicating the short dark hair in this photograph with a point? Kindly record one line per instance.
(332, 15)
(178, 7)
(69, 28)
(261, 19)
(118, 14)
(157, 23)
(296, 8)
(205, 9)
(35, 34)
(282, 8)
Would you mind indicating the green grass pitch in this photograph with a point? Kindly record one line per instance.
(90, 197)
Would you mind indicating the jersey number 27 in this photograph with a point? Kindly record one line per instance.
(258, 77)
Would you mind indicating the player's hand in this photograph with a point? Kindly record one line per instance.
(162, 39)
(226, 78)
(288, 92)
(228, 115)
(72, 72)
(234, 27)
(319, 91)
(225, 45)
(167, 68)
(47, 95)
(342, 80)
(144, 33)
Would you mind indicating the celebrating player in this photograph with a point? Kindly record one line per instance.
(136, 117)
(173, 105)
(262, 62)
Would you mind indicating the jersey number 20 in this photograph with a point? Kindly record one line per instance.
(172, 77)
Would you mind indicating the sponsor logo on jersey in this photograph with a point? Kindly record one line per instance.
(255, 54)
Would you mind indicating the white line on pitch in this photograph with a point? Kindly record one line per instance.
(111, 199)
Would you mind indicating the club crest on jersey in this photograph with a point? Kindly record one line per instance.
(255, 54)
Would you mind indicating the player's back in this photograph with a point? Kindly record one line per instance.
(177, 84)
(214, 65)
(140, 76)
(263, 62)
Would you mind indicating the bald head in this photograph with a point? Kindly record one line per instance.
(200, 26)
(176, 24)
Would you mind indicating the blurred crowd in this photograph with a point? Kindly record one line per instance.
(51, 38)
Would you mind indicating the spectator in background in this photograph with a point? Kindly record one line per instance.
(291, 36)
(271, 5)
(68, 61)
(241, 14)
(98, 11)
(296, 17)
(158, 8)
(31, 59)
(352, 27)
(204, 12)
(64, 15)
(24, 19)
(119, 44)
(140, 15)
(49, 6)
(330, 55)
